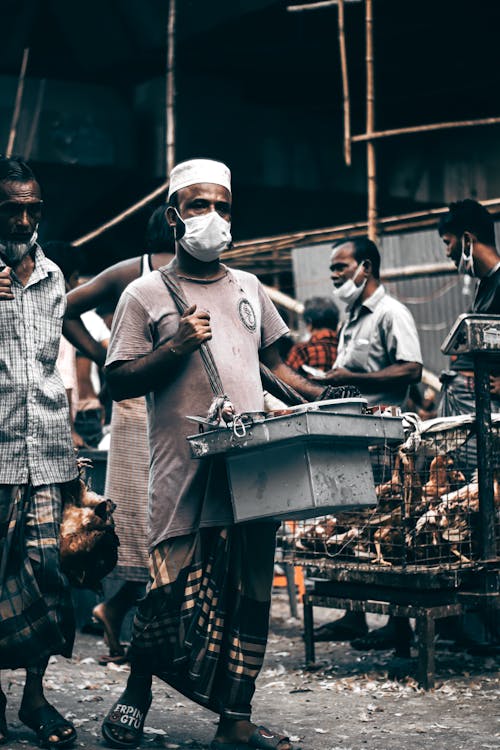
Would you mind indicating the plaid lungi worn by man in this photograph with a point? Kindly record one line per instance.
(36, 457)
(203, 624)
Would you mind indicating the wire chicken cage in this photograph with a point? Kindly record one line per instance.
(426, 515)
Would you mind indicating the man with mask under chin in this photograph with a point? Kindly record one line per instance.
(379, 349)
(379, 352)
(202, 626)
(468, 232)
(36, 457)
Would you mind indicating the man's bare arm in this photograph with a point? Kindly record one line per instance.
(270, 357)
(105, 287)
(158, 368)
(399, 374)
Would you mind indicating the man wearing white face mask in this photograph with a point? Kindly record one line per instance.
(203, 624)
(468, 233)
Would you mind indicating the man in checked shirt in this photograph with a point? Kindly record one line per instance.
(318, 354)
(36, 457)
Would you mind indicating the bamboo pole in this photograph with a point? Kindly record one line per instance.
(17, 104)
(425, 128)
(160, 190)
(284, 300)
(418, 272)
(345, 85)
(371, 168)
(399, 222)
(315, 6)
(35, 119)
(170, 91)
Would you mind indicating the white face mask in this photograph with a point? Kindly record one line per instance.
(466, 263)
(349, 293)
(13, 252)
(206, 236)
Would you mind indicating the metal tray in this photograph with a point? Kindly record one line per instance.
(321, 426)
(299, 465)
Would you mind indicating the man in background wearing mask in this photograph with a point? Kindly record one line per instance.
(379, 352)
(36, 457)
(202, 626)
(468, 233)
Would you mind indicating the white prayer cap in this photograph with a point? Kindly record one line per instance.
(195, 171)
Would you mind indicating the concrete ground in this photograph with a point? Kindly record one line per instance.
(346, 703)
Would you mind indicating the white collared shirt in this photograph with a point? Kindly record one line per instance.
(380, 332)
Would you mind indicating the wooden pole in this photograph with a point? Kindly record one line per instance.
(345, 85)
(397, 222)
(315, 6)
(418, 272)
(425, 128)
(170, 92)
(35, 119)
(17, 104)
(258, 253)
(160, 190)
(371, 168)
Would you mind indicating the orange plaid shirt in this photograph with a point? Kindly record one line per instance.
(319, 351)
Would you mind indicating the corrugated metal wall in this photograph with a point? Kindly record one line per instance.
(435, 302)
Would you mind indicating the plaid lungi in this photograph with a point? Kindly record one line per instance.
(36, 614)
(203, 624)
(127, 478)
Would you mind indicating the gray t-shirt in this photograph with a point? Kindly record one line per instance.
(379, 333)
(186, 494)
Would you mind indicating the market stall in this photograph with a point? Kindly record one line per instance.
(387, 515)
(429, 548)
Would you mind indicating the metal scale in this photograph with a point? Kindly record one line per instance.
(310, 461)
(479, 336)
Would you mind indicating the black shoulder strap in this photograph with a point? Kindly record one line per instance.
(269, 381)
(171, 281)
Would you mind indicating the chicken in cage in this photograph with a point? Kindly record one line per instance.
(427, 511)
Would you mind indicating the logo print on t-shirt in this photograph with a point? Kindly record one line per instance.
(247, 314)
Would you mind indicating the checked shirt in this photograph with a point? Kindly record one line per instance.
(35, 436)
(319, 351)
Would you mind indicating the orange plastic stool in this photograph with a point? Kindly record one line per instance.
(281, 581)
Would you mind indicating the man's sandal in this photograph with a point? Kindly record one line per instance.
(127, 716)
(262, 738)
(106, 659)
(46, 722)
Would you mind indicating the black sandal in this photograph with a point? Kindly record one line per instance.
(262, 739)
(45, 722)
(128, 716)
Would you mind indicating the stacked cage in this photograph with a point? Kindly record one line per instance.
(427, 510)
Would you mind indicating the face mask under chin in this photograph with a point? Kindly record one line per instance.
(349, 293)
(13, 252)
